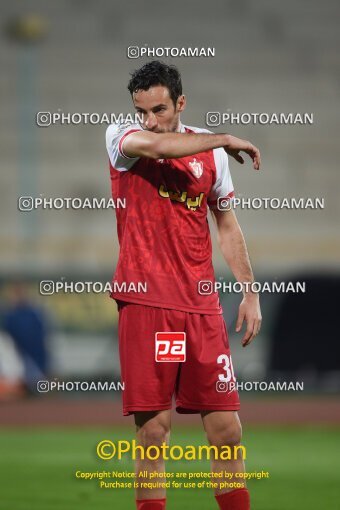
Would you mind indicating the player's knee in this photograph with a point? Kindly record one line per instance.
(225, 434)
(153, 434)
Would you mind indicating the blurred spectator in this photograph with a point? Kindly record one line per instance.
(26, 324)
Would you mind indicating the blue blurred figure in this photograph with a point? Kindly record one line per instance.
(26, 324)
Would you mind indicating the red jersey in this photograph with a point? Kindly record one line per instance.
(163, 232)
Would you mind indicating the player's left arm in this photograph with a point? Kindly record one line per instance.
(234, 250)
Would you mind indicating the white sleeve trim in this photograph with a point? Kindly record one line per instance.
(114, 134)
(223, 186)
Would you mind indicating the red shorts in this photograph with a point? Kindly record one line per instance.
(204, 381)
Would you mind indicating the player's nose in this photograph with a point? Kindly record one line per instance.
(151, 121)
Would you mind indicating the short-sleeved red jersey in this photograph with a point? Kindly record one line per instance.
(163, 231)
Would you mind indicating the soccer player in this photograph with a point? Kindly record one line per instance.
(170, 175)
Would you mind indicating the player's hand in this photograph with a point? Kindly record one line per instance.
(249, 311)
(236, 145)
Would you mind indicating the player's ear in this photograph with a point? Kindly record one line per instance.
(181, 103)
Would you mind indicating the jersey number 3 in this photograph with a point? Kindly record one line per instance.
(228, 367)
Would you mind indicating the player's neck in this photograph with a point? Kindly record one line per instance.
(179, 127)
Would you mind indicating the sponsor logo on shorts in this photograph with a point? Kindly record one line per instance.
(170, 346)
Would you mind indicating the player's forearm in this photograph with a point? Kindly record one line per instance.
(178, 145)
(171, 145)
(235, 253)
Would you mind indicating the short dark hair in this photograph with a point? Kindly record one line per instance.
(157, 73)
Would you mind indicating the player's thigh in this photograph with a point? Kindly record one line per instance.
(207, 381)
(148, 384)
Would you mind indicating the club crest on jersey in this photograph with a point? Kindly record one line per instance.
(196, 167)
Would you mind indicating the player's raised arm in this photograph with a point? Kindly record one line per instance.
(177, 145)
